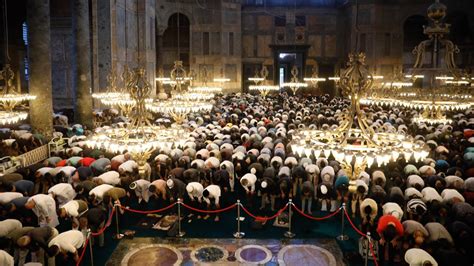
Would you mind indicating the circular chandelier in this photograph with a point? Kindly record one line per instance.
(11, 99)
(182, 101)
(360, 146)
(260, 85)
(450, 87)
(294, 85)
(138, 137)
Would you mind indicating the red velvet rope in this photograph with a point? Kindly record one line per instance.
(264, 218)
(209, 211)
(371, 246)
(83, 252)
(148, 212)
(109, 221)
(316, 218)
(352, 224)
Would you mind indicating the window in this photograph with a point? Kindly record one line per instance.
(24, 27)
(205, 43)
(231, 43)
(387, 44)
(300, 21)
(280, 21)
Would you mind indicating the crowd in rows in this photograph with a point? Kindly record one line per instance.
(420, 213)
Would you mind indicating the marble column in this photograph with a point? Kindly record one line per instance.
(83, 108)
(39, 56)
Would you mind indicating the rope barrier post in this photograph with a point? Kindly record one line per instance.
(342, 237)
(118, 236)
(180, 233)
(367, 249)
(90, 246)
(238, 234)
(288, 233)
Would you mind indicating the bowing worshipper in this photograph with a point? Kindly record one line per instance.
(19, 255)
(6, 197)
(414, 234)
(158, 188)
(8, 227)
(390, 230)
(109, 177)
(10, 178)
(44, 208)
(358, 196)
(177, 189)
(83, 188)
(96, 195)
(368, 209)
(307, 193)
(62, 193)
(94, 219)
(195, 190)
(24, 187)
(100, 166)
(141, 188)
(212, 192)
(43, 180)
(129, 167)
(248, 184)
(229, 167)
(112, 196)
(66, 243)
(6, 259)
(417, 256)
(298, 174)
(64, 174)
(117, 160)
(73, 210)
(269, 189)
(36, 241)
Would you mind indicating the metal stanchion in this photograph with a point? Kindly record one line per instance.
(90, 246)
(180, 233)
(367, 249)
(342, 237)
(238, 234)
(117, 235)
(288, 233)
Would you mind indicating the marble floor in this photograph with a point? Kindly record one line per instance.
(198, 251)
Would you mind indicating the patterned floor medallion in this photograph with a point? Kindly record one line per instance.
(305, 255)
(153, 255)
(209, 254)
(253, 254)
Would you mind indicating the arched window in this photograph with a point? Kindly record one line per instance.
(170, 36)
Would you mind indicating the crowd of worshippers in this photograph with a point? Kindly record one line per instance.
(421, 213)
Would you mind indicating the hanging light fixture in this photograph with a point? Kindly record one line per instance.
(450, 87)
(360, 146)
(138, 137)
(260, 85)
(294, 85)
(10, 98)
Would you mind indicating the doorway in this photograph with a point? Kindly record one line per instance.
(286, 61)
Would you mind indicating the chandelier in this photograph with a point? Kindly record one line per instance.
(138, 137)
(182, 101)
(11, 99)
(260, 85)
(294, 85)
(203, 92)
(111, 91)
(314, 79)
(449, 87)
(360, 145)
